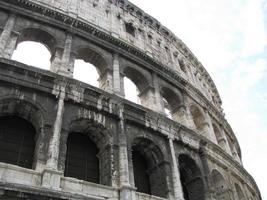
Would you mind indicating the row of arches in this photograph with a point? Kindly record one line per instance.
(90, 64)
(83, 160)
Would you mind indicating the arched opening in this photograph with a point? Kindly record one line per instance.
(239, 192)
(81, 158)
(172, 103)
(90, 67)
(86, 73)
(34, 54)
(17, 141)
(167, 109)
(198, 118)
(136, 87)
(141, 176)
(35, 47)
(149, 168)
(191, 179)
(131, 91)
(220, 139)
(220, 185)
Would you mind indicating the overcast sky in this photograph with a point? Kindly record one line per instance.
(229, 38)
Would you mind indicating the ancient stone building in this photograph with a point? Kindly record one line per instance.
(63, 139)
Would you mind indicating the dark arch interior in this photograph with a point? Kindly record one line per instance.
(81, 158)
(191, 179)
(149, 168)
(141, 176)
(17, 141)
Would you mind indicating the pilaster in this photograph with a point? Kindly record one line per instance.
(177, 186)
(8, 38)
(117, 87)
(127, 191)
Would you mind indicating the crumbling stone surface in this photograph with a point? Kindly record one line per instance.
(192, 156)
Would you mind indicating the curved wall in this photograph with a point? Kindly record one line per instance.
(196, 151)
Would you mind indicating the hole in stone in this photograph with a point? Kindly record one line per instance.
(131, 91)
(85, 72)
(33, 53)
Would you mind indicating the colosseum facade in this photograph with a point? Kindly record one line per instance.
(61, 138)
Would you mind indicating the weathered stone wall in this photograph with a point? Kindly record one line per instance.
(191, 146)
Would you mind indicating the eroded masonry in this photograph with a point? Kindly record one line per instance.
(61, 138)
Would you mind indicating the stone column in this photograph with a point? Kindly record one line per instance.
(177, 186)
(51, 175)
(126, 190)
(62, 61)
(117, 87)
(106, 81)
(158, 101)
(53, 150)
(209, 195)
(8, 38)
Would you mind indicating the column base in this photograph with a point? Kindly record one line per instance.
(127, 192)
(51, 179)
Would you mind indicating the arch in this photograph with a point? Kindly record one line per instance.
(191, 178)
(132, 92)
(34, 113)
(81, 158)
(147, 156)
(31, 42)
(98, 136)
(17, 141)
(239, 192)
(93, 57)
(173, 101)
(137, 77)
(38, 35)
(93, 61)
(219, 137)
(220, 185)
(198, 117)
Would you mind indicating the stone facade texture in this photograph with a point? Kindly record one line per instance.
(192, 156)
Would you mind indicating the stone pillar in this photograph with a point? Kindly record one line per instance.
(177, 186)
(62, 60)
(8, 38)
(209, 195)
(126, 190)
(51, 174)
(106, 81)
(117, 87)
(158, 101)
(53, 151)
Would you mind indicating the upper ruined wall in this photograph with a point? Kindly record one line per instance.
(127, 22)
